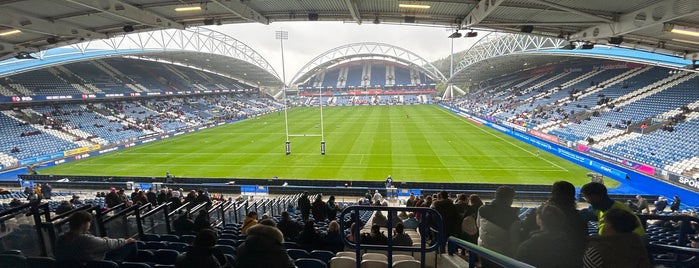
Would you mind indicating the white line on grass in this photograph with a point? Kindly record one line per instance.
(515, 145)
(336, 166)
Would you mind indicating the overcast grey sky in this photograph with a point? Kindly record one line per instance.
(309, 39)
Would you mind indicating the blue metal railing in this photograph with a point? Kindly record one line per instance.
(430, 222)
(474, 251)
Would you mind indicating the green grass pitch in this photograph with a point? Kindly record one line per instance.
(412, 143)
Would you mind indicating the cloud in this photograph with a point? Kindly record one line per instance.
(310, 39)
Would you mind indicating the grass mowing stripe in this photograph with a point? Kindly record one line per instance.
(363, 143)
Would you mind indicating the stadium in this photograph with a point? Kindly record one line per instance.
(99, 99)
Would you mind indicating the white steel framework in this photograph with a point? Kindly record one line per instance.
(499, 44)
(366, 49)
(171, 40)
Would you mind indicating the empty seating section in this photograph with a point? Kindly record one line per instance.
(354, 76)
(649, 107)
(141, 72)
(43, 82)
(22, 141)
(402, 76)
(378, 75)
(331, 77)
(76, 116)
(632, 100)
(661, 148)
(97, 77)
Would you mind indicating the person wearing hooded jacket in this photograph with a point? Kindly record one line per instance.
(263, 247)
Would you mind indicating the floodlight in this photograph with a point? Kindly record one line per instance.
(587, 46)
(414, 6)
(187, 9)
(616, 40)
(10, 32)
(472, 34)
(678, 29)
(128, 28)
(456, 34)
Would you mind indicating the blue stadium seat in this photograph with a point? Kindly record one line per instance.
(310, 263)
(226, 249)
(165, 256)
(323, 255)
(230, 242)
(13, 261)
(145, 256)
(41, 262)
(102, 264)
(295, 253)
(134, 265)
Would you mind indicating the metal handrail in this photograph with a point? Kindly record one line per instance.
(474, 250)
(424, 226)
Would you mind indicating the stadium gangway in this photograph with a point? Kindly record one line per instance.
(432, 227)
(156, 220)
(474, 251)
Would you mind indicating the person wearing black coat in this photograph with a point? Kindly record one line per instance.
(304, 206)
(319, 209)
(203, 254)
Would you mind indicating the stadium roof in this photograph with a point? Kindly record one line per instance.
(667, 25)
(197, 47)
(365, 50)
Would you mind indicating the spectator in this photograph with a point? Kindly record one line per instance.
(353, 230)
(78, 245)
(495, 221)
(379, 219)
(15, 202)
(289, 227)
(550, 246)
(617, 246)
(203, 254)
(450, 216)
(411, 200)
(152, 197)
(47, 191)
(675, 204)
(309, 238)
(642, 204)
(304, 206)
(112, 198)
(596, 194)
(660, 205)
(162, 196)
(332, 208)
(333, 239)
(375, 237)
(249, 221)
(76, 200)
(263, 248)
(291, 209)
(411, 223)
(575, 227)
(377, 198)
(140, 198)
(202, 221)
(469, 228)
(191, 198)
(319, 209)
(400, 238)
(64, 207)
(183, 225)
(175, 200)
(461, 204)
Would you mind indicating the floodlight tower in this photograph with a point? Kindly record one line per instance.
(282, 35)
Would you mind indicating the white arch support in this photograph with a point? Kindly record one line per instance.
(366, 49)
(194, 39)
(499, 44)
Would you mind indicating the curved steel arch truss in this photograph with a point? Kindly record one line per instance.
(498, 44)
(194, 39)
(364, 50)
